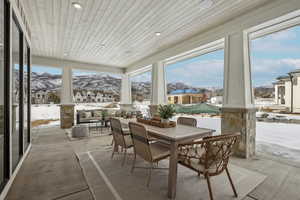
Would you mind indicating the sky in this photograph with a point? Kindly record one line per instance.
(271, 56)
(52, 70)
(144, 77)
(275, 55)
(203, 71)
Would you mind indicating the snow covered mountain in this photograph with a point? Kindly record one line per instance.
(46, 81)
(111, 84)
(102, 82)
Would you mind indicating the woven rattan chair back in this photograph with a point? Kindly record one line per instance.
(187, 121)
(140, 141)
(117, 132)
(218, 150)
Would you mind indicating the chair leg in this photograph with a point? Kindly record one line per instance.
(133, 163)
(209, 187)
(149, 175)
(124, 157)
(231, 182)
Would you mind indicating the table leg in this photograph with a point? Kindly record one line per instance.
(173, 170)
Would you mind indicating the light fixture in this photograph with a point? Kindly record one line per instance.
(66, 54)
(77, 5)
(157, 33)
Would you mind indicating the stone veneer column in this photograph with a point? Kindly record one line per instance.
(159, 91)
(238, 112)
(67, 115)
(241, 120)
(67, 106)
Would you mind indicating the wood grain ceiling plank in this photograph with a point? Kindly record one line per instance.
(135, 29)
(114, 31)
(113, 20)
(83, 25)
(122, 25)
(90, 39)
(92, 17)
(170, 10)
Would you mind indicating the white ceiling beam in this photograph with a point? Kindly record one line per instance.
(60, 63)
(259, 15)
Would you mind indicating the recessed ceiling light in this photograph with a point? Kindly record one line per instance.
(77, 5)
(66, 54)
(157, 33)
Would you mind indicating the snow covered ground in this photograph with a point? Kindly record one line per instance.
(286, 135)
(51, 111)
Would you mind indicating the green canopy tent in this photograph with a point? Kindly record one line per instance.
(201, 108)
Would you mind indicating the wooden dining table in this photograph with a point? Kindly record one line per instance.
(174, 136)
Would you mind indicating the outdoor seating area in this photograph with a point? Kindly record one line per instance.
(208, 157)
(149, 99)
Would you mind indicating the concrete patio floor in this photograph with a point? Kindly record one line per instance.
(52, 171)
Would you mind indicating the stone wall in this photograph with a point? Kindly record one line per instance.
(244, 121)
(67, 115)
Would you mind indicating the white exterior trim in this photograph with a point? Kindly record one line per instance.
(140, 71)
(126, 90)
(159, 86)
(67, 86)
(60, 63)
(202, 50)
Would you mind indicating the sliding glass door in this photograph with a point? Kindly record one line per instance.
(16, 103)
(2, 140)
(26, 124)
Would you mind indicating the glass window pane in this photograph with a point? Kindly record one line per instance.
(25, 95)
(15, 95)
(141, 88)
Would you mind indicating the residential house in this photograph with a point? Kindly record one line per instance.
(287, 91)
(186, 96)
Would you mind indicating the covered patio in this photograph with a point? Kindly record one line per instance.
(129, 38)
(58, 174)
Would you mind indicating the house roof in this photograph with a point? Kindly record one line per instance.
(295, 71)
(185, 91)
(282, 77)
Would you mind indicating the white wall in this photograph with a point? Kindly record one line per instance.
(288, 94)
(296, 95)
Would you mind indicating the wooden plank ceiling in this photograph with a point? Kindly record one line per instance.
(120, 32)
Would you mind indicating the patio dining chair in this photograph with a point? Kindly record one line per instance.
(209, 156)
(188, 121)
(121, 138)
(152, 152)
